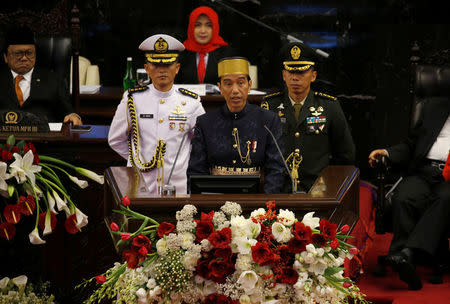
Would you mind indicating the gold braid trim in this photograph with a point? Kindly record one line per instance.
(133, 140)
(293, 161)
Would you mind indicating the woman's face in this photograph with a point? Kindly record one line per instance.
(203, 29)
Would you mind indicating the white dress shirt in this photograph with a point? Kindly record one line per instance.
(440, 148)
(24, 84)
(158, 106)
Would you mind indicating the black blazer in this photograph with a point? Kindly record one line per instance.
(49, 95)
(412, 151)
(188, 69)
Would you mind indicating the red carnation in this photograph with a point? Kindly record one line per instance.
(345, 229)
(202, 269)
(204, 229)
(221, 238)
(125, 236)
(328, 229)
(285, 254)
(114, 227)
(288, 275)
(14, 149)
(334, 244)
(164, 229)
(126, 201)
(100, 279)
(262, 254)
(12, 213)
(35, 159)
(132, 258)
(302, 232)
(53, 220)
(7, 230)
(319, 239)
(140, 241)
(29, 146)
(219, 270)
(216, 298)
(6, 155)
(71, 223)
(207, 216)
(223, 253)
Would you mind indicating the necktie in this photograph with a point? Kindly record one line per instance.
(297, 108)
(201, 70)
(19, 93)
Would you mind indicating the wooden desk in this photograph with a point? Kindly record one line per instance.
(99, 108)
(334, 196)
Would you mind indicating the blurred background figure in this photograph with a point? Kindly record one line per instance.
(204, 48)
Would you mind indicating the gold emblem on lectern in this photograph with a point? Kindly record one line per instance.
(11, 118)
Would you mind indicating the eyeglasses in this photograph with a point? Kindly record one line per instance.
(30, 54)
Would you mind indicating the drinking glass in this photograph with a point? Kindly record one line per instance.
(142, 77)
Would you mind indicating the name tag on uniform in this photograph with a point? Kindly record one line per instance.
(146, 116)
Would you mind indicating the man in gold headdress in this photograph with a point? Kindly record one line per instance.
(315, 130)
(233, 140)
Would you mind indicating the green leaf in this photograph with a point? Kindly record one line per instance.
(332, 270)
(11, 140)
(10, 190)
(21, 145)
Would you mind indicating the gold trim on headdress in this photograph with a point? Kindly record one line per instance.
(233, 66)
(295, 52)
(161, 58)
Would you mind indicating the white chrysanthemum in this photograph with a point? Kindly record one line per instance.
(286, 217)
(151, 283)
(248, 280)
(209, 287)
(190, 260)
(218, 218)
(161, 247)
(206, 245)
(141, 294)
(281, 233)
(186, 226)
(231, 208)
(310, 248)
(186, 240)
(308, 257)
(243, 262)
(172, 241)
(311, 221)
(243, 244)
(257, 213)
(154, 292)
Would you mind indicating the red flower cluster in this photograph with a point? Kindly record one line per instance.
(204, 226)
(140, 247)
(7, 151)
(164, 229)
(12, 213)
(216, 298)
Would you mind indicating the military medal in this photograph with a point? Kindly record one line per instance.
(178, 114)
(254, 145)
(172, 125)
(181, 125)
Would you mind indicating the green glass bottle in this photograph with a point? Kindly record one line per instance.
(129, 80)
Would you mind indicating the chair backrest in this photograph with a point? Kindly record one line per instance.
(429, 80)
(54, 52)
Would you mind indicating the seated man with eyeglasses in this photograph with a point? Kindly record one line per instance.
(24, 87)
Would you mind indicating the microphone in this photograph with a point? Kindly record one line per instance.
(169, 189)
(282, 157)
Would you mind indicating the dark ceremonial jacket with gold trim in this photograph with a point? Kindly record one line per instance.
(49, 95)
(212, 144)
(321, 134)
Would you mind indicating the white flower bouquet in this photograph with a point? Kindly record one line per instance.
(16, 291)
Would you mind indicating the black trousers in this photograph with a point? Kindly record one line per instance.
(421, 211)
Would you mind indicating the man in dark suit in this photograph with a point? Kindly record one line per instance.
(315, 130)
(24, 87)
(421, 202)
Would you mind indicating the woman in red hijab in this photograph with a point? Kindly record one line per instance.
(204, 48)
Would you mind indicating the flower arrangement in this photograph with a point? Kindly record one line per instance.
(224, 257)
(16, 291)
(29, 184)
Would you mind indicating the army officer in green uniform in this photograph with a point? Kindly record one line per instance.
(315, 131)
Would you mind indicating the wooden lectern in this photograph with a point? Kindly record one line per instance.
(333, 196)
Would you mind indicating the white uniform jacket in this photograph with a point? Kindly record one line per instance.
(166, 115)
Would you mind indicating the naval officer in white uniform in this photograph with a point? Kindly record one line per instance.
(150, 122)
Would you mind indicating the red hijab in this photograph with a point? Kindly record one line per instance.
(216, 41)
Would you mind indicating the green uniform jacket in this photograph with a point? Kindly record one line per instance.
(321, 134)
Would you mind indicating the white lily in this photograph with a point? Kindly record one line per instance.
(81, 183)
(311, 221)
(35, 239)
(92, 175)
(3, 176)
(51, 202)
(248, 280)
(48, 223)
(22, 168)
(4, 282)
(82, 219)
(60, 204)
(20, 281)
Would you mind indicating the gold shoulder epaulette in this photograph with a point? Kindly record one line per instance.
(325, 95)
(188, 93)
(138, 89)
(272, 95)
(265, 105)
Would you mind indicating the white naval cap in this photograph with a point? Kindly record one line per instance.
(161, 48)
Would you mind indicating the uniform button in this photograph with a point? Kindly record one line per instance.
(234, 129)
(234, 161)
(297, 134)
(161, 120)
(162, 101)
(183, 103)
(235, 146)
(317, 132)
(297, 151)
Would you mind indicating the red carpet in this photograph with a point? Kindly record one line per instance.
(389, 289)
